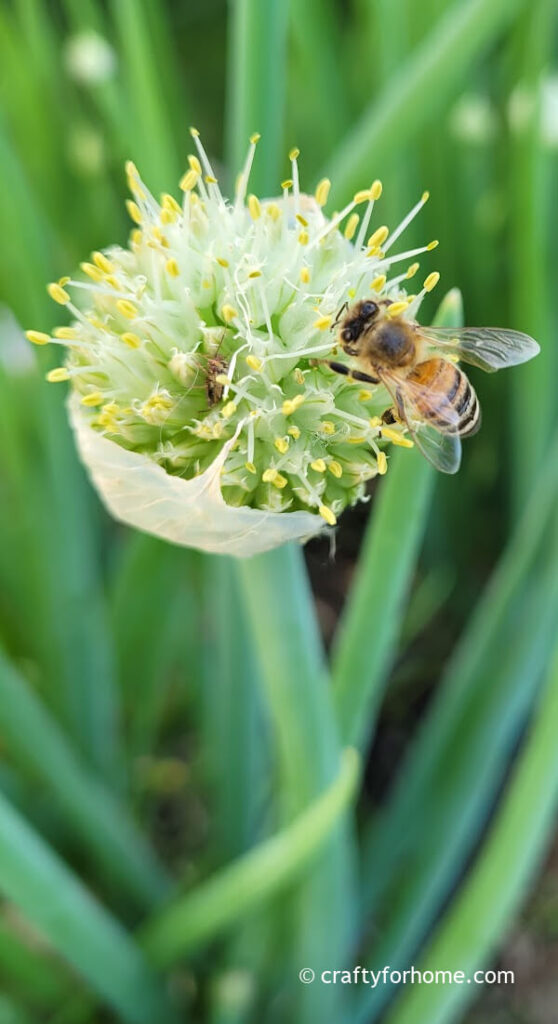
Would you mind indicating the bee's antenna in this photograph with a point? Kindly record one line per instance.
(339, 315)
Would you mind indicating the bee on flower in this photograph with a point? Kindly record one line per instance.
(231, 384)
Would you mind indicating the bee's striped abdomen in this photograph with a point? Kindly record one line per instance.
(444, 397)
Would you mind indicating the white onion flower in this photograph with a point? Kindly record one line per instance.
(198, 399)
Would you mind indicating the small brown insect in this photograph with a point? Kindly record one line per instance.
(216, 365)
(417, 365)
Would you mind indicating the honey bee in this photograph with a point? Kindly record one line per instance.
(431, 395)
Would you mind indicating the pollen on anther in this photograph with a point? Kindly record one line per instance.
(126, 308)
(322, 191)
(335, 468)
(188, 180)
(351, 226)
(322, 323)
(432, 245)
(382, 463)
(228, 313)
(396, 438)
(327, 514)
(255, 138)
(431, 281)
(229, 410)
(254, 206)
(37, 337)
(130, 339)
(250, 467)
(282, 444)
(58, 293)
(378, 283)
(60, 373)
(92, 399)
(412, 270)
(172, 268)
(294, 153)
(305, 275)
(253, 362)
(134, 211)
(318, 465)
(378, 237)
(376, 189)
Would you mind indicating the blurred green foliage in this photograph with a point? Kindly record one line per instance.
(178, 834)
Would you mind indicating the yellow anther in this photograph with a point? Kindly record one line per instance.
(254, 206)
(194, 164)
(222, 262)
(63, 281)
(322, 323)
(210, 180)
(130, 339)
(127, 309)
(294, 153)
(322, 191)
(282, 444)
(376, 189)
(113, 281)
(188, 180)
(294, 431)
(432, 245)
(287, 183)
(318, 465)
(396, 438)
(228, 313)
(167, 216)
(362, 197)
(170, 203)
(305, 275)
(194, 132)
(254, 273)
(351, 226)
(92, 271)
(328, 515)
(397, 308)
(131, 169)
(379, 237)
(374, 422)
(382, 463)
(250, 467)
(136, 236)
(302, 220)
(134, 211)
(431, 281)
(206, 283)
(273, 211)
(222, 378)
(55, 376)
(290, 405)
(356, 440)
(101, 261)
(298, 376)
(37, 337)
(172, 268)
(327, 427)
(255, 138)
(272, 476)
(378, 283)
(425, 197)
(253, 362)
(364, 395)
(66, 333)
(351, 293)
(228, 410)
(412, 270)
(335, 468)
(58, 293)
(92, 399)
(304, 237)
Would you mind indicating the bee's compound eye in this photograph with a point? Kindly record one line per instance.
(368, 309)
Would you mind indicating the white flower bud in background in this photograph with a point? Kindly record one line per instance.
(199, 402)
(89, 58)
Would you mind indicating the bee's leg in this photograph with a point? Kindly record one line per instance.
(396, 414)
(346, 371)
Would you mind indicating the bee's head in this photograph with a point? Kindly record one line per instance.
(354, 324)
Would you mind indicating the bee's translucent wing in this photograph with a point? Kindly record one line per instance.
(441, 448)
(491, 348)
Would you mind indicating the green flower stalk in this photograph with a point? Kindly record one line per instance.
(198, 397)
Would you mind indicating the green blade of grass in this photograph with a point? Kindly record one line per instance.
(473, 926)
(200, 916)
(430, 76)
(256, 93)
(468, 778)
(36, 743)
(153, 139)
(362, 655)
(464, 673)
(34, 878)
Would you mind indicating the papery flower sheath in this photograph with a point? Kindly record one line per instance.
(198, 399)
